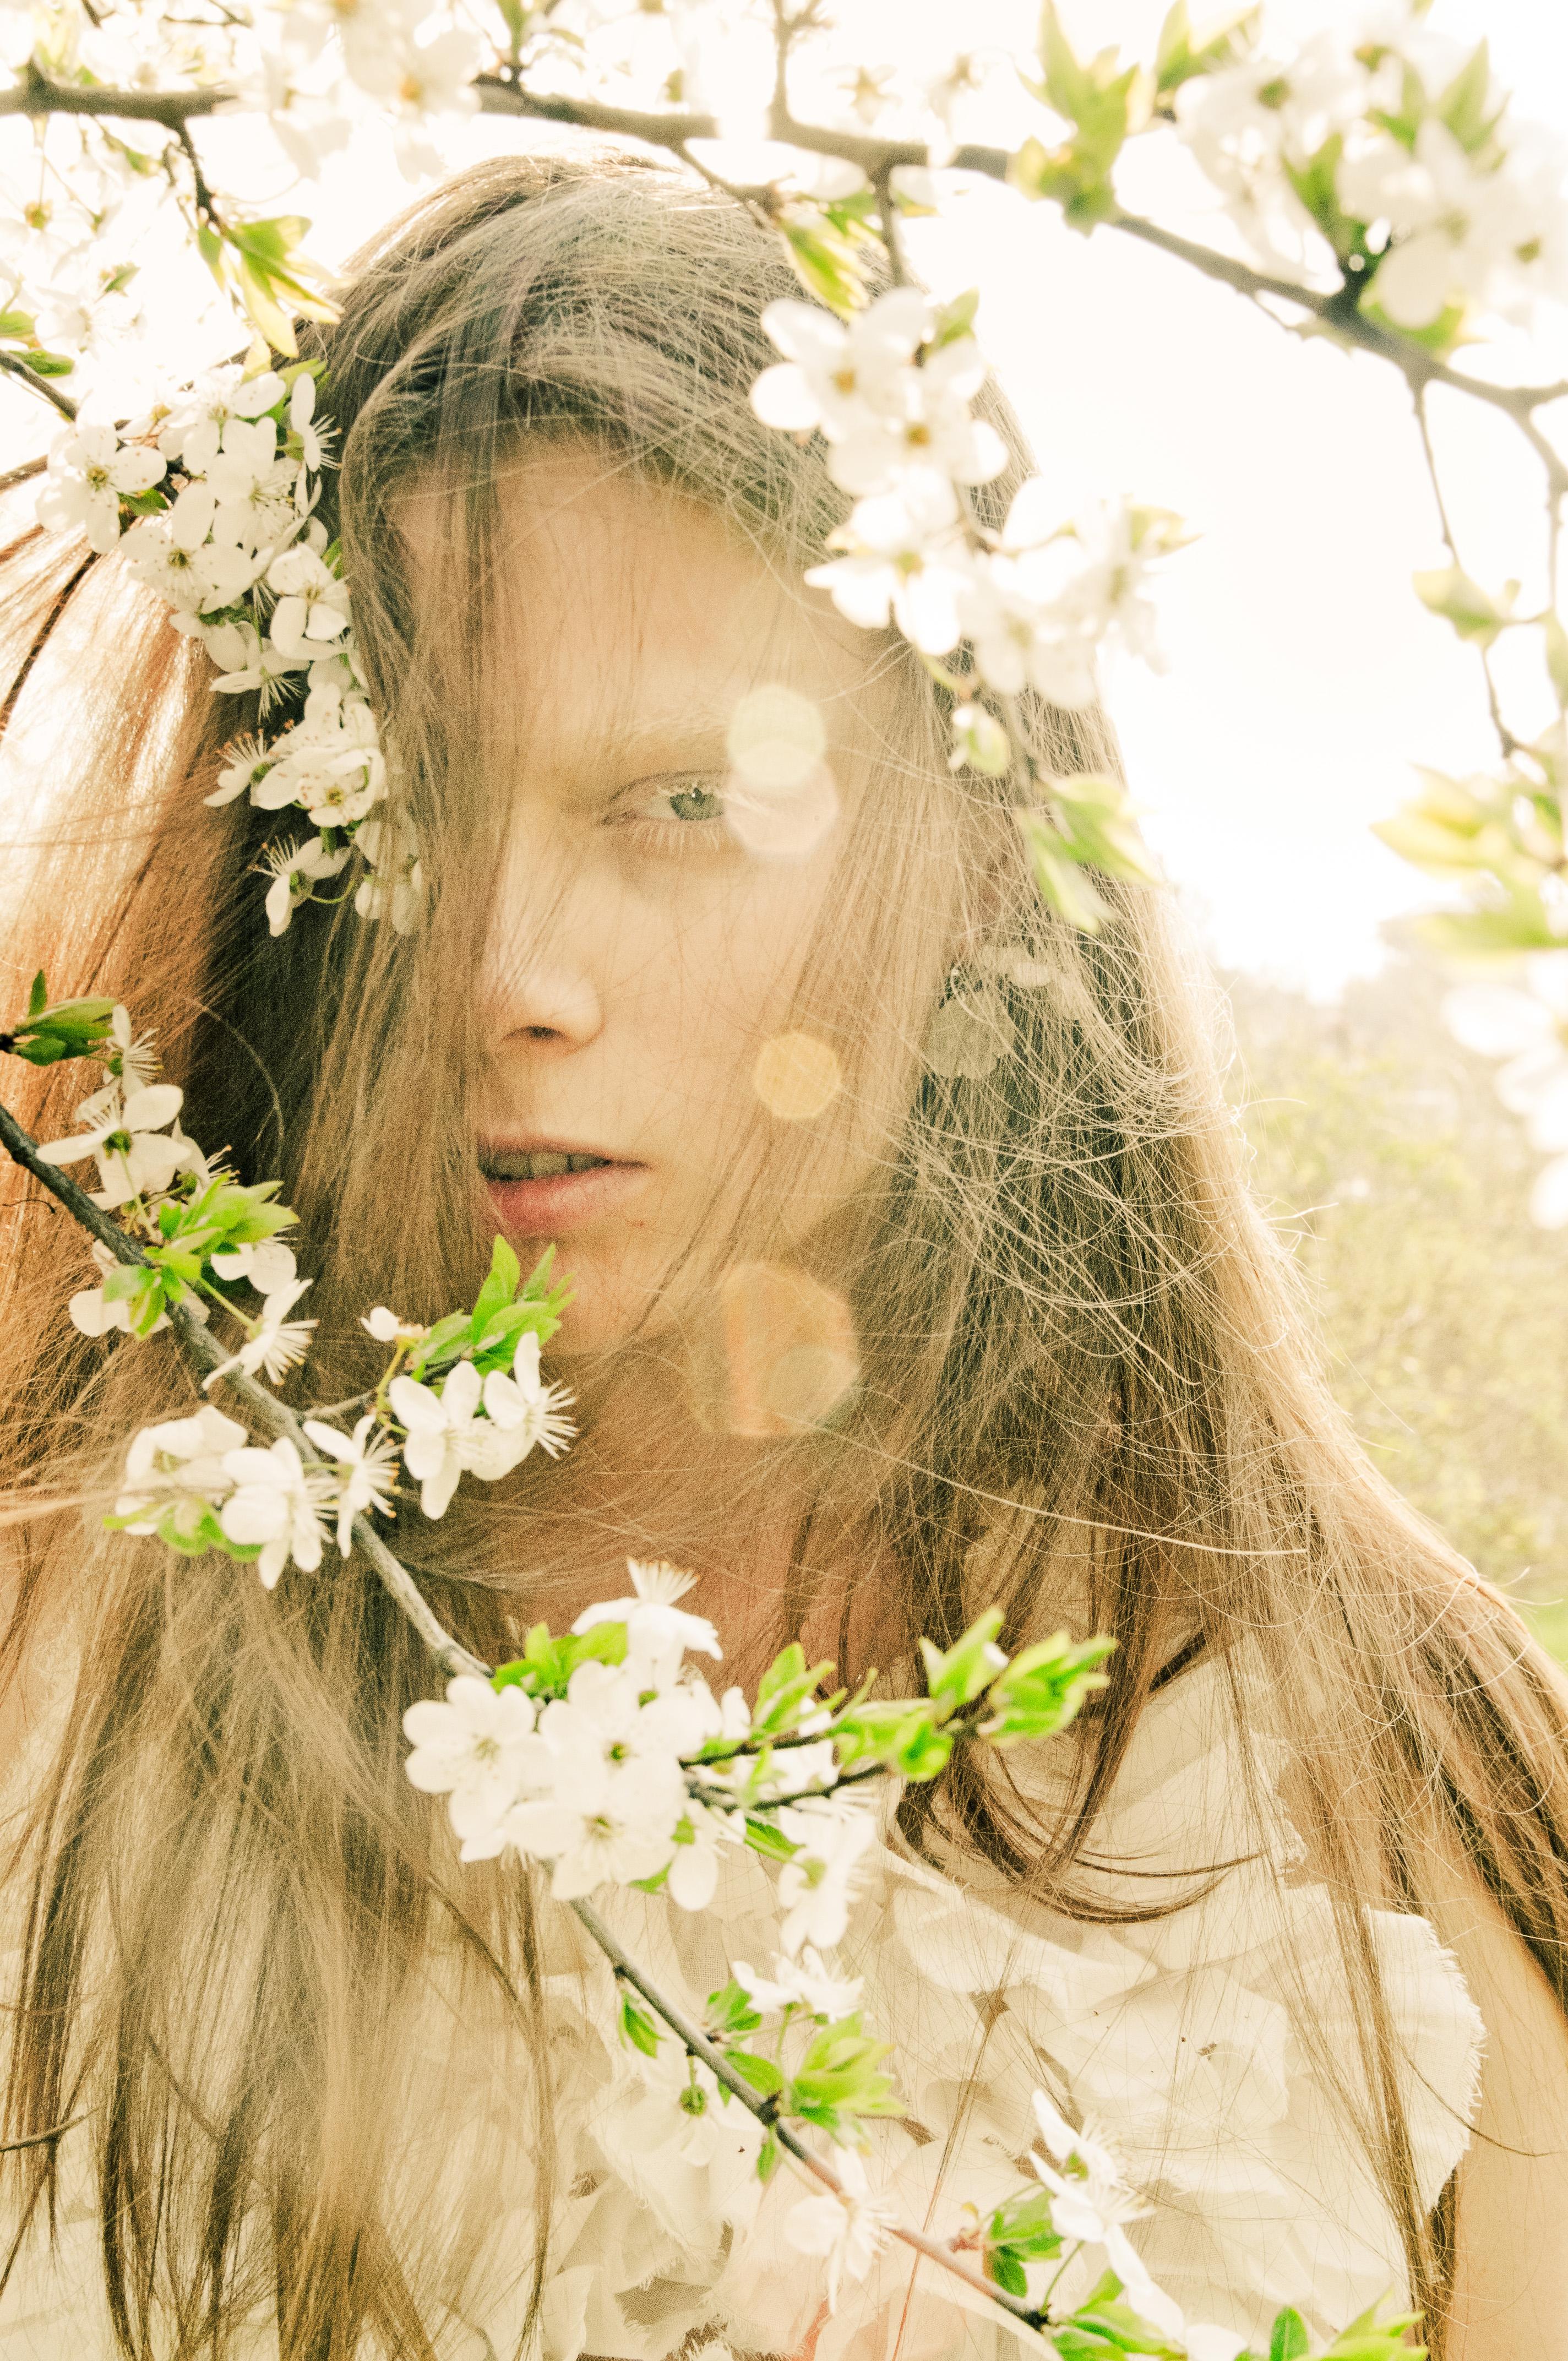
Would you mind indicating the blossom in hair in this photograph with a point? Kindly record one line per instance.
(904, 556)
(278, 1503)
(475, 1748)
(129, 1135)
(658, 1630)
(884, 414)
(90, 471)
(295, 870)
(275, 1342)
(448, 1434)
(611, 1793)
(364, 1466)
(534, 1412)
(176, 1474)
(806, 1982)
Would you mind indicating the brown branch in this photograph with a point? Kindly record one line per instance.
(41, 639)
(697, 2045)
(265, 1407)
(23, 473)
(16, 366)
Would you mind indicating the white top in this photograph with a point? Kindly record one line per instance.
(1172, 2037)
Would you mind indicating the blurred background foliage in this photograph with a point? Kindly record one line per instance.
(1382, 1154)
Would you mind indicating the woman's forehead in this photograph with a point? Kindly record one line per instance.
(629, 603)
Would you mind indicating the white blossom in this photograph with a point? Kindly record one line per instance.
(449, 1436)
(275, 1342)
(1088, 2192)
(904, 554)
(267, 1263)
(136, 1156)
(617, 1791)
(248, 663)
(883, 415)
(89, 469)
(1460, 228)
(658, 1631)
(694, 1865)
(312, 603)
(816, 1884)
(132, 1058)
(363, 1464)
(842, 377)
(276, 1501)
(295, 871)
(848, 2230)
(395, 892)
(475, 1748)
(529, 1409)
(180, 1465)
(806, 1982)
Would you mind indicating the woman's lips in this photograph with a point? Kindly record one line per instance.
(552, 1207)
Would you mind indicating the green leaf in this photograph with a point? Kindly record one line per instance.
(637, 2027)
(969, 1665)
(1061, 884)
(547, 1664)
(1288, 2339)
(1044, 1688)
(731, 2010)
(1176, 60)
(1449, 591)
(787, 1690)
(839, 2079)
(771, 1843)
(1462, 105)
(37, 998)
(826, 263)
(766, 2077)
(956, 319)
(1007, 2272)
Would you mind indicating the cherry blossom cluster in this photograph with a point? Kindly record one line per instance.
(211, 500)
(890, 391)
(466, 1396)
(1384, 140)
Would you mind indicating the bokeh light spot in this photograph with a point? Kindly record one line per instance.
(782, 823)
(795, 1076)
(790, 1351)
(776, 739)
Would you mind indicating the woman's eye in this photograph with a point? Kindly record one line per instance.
(691, 799)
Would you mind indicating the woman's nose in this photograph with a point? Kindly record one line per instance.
(538, 984)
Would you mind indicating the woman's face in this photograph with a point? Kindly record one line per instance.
(646, 1065)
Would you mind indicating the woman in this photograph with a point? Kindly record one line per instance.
(875, 1320)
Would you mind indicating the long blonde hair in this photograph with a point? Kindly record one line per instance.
(1077, 1338)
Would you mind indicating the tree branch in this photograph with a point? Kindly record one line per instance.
(265, 1407)
(16, 366)
(697, 2045)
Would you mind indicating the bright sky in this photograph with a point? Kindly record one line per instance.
(1305, 678)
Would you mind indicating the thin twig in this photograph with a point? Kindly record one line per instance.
(699, 2045)
(267, 1409)
(1506, 738)
(23, 473)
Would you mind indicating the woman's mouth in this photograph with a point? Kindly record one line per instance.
(546, 1191)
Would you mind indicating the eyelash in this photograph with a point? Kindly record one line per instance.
(677, 832)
